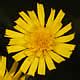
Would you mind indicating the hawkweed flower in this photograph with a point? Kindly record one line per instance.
(11, 75)
(38, 42)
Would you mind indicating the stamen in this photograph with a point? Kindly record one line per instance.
(41, 39)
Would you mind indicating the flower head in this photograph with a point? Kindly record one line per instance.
(38, 42)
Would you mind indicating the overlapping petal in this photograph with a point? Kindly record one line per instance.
(11, 74)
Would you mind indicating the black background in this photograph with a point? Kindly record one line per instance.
(68, 70)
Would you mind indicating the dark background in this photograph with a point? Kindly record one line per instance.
(9, 9)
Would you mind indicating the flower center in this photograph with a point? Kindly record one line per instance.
(42, 39)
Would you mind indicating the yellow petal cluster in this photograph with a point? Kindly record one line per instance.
(38, 42)
(9, 75)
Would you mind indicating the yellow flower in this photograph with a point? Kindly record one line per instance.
(2, 66)
(11, 75)
(38, 42)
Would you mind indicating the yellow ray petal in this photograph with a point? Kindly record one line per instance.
(41, 67)
(22, 54)
(20, 29)
(28, 52)
(19, 56)
(65, 38)
(64, 30)
(34, 18)
(67, 46)
(26, 64)
(60, 16)
(17, 75)
(56, 57)
(51, 18)
(13, 34)
(2, 65)
(70, 46)
(49, 62)
(57, 22)
(7, 76)
(41, 14)
(24, 25)
(33, 67)
(54, 30)
(57, 27)
(13, 68)
(64, 49)
(18, 41)
(26, 17)
(14, 48)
